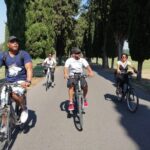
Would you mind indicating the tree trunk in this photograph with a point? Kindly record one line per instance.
(140, 64)
(120, 49)
(104, 55)
(97, 60)
(112, 63)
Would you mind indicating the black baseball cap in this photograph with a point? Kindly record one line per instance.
(75, 50)
(11, 38)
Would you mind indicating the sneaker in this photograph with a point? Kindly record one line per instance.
(24, 116)
(86, 103)
(71, 107)
(3, 129)
(52, 84)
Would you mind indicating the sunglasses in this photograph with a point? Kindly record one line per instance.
(13, 41)
(77, 53)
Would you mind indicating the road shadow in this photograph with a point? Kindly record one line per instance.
(71, 114)
(108, 74)
(25, 128)
(136, 125)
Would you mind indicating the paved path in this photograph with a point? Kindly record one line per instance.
(108, 125)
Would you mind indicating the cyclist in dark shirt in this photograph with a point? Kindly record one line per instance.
(18, 66)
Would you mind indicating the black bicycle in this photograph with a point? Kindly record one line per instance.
(127, 92)
(78, 97)
(9, 115)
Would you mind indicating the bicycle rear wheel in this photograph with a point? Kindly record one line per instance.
(132, 100)
(80, 110)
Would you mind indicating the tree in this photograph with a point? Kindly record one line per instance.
(119, 20)
(39, 27)
(16, 19)
(64, 24)
(139, 32)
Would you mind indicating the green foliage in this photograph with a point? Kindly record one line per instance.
(16, 19)
(64, 24)
(39, 28)
(139, 31)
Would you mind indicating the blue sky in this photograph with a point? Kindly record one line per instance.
(2, 20)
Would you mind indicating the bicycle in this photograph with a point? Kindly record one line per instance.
(127, 92)
(78, 97)
(10, 114)
(48, 78)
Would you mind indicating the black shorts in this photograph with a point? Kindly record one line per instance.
(72, 82)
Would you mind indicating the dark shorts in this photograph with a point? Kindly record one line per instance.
(72, 82)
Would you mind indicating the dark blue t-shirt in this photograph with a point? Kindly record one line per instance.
(15, 66)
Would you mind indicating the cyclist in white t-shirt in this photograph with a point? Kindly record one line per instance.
(122, 67)
(51, 62)
(76, 64)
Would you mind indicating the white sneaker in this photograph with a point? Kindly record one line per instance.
(3, 129)
(53, 84)
(24, 116)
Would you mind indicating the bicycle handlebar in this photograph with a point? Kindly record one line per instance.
(78, 75)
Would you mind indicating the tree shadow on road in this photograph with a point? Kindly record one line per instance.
(72, 114)
(24, 128)
(109, 75)
(136, 125)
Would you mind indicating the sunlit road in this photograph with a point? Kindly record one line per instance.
(108, 125)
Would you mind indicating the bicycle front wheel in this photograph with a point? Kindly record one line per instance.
(132, 100)
(80, 110)
(47, 82)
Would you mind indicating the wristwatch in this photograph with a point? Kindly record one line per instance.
(28, 81)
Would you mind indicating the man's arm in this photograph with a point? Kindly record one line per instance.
(29, 69)
(132, 67)
(66, 72)
(90, 72)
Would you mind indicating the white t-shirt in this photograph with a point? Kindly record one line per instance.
(125, 64)
(76, 66)
(50, 62)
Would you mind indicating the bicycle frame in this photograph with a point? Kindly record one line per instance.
(128, 93)
(48, 77)
(10, 115)
(78, 97)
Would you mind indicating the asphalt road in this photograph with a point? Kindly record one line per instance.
(108, 125)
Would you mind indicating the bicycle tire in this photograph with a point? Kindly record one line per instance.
(132, 100)
(9, 126)
(80, 110)
(46, 85)
(7, 136)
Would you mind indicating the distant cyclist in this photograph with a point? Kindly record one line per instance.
(76, 64)
(51, 62)
(122, 67)
(18, 66)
